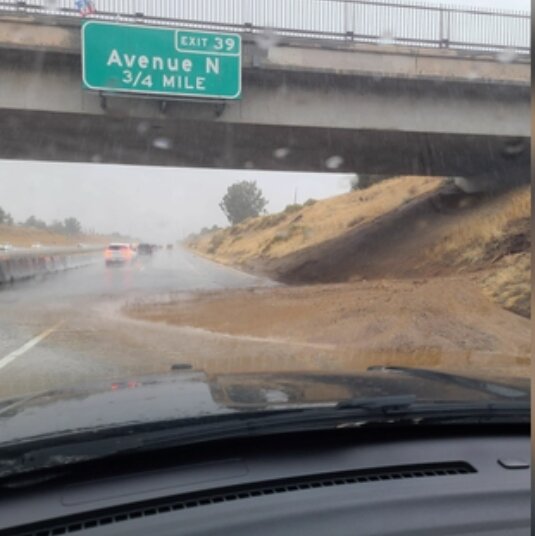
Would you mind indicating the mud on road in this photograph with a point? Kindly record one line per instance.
(407, 272)
(444, 323)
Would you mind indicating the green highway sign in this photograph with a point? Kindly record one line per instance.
(161, 61)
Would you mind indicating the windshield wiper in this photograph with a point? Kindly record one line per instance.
(90, 445)
(496, 389)
(384, 403)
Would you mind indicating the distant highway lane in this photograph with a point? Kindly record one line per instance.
(66, 329)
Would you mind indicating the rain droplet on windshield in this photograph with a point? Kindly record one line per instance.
(334, 162)
(514, 147)
(96, 158)
(506, 55)
(473, 74)
(142, 127)
(281, 152)
(267, 39)
(162, 143)
(386, 38)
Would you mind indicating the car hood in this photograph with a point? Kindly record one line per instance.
(187, 394)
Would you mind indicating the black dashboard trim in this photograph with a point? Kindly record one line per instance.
(107, 516)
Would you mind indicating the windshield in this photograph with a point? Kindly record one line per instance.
(210, 209)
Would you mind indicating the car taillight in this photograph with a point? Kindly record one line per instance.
(107, 253)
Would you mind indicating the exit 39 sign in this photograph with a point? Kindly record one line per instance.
(161, 61)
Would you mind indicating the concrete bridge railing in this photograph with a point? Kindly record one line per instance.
(368, 21)
(18, 266)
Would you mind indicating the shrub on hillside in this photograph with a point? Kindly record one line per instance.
(270, 221)
(215, 243)
(292, 208)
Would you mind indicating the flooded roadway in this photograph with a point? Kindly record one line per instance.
(69, 329)
(66, 329)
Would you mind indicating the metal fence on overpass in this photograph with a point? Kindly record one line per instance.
(373, 21)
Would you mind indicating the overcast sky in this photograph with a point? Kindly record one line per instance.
(159, 204)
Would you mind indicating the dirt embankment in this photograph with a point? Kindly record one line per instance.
(27, 236)
(269, 242)
(403, 228)
(409, 272)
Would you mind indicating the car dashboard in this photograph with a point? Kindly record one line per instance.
(314, 484)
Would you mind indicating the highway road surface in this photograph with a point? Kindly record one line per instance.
(66, 329)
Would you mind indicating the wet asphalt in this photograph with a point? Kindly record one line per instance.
(66, 329)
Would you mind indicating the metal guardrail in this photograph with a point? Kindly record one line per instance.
(389, 22)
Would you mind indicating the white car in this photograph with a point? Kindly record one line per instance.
(119, 253)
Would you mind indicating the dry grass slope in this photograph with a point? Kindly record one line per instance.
(497, 229)
(488, 238)
(299, 227)
(26, 236)
(497, 240)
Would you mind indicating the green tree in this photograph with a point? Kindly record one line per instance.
(243, 200)
(57, 227)
(32, 221)
(72, 226)
(5, 217)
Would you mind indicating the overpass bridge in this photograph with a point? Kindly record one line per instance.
(441, 91)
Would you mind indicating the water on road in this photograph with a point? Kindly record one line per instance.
(66, 328)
